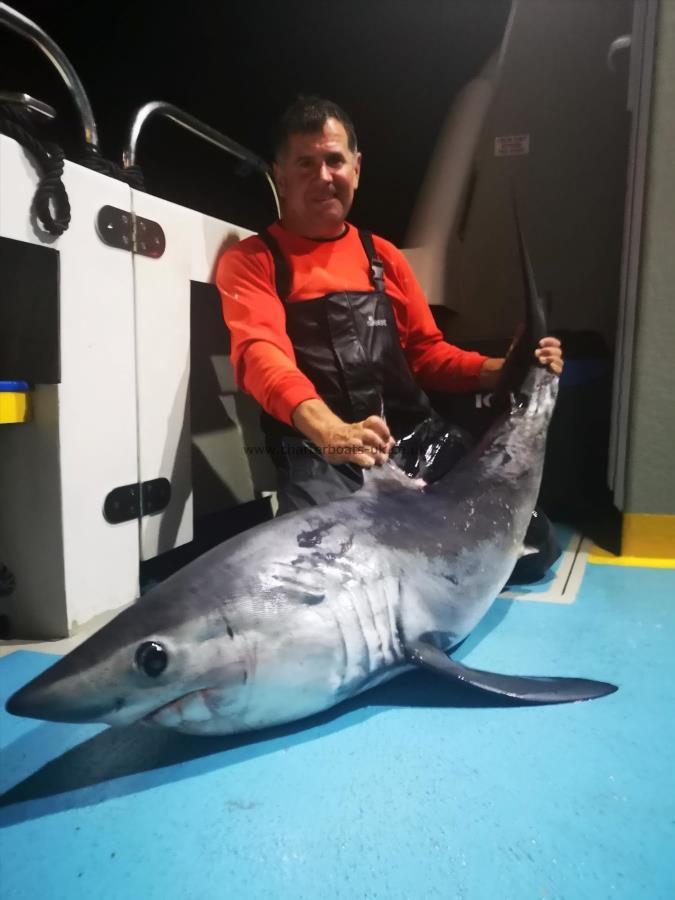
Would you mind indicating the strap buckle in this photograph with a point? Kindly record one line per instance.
(377, 271)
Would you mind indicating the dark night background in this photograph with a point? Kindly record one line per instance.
(394, 65)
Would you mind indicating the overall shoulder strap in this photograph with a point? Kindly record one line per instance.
(376, 264)
(282, 272)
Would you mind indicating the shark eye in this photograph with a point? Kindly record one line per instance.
(152, 658)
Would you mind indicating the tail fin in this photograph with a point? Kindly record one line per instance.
(521, 353)
(535, 316)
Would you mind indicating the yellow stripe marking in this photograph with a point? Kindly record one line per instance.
(647, 541)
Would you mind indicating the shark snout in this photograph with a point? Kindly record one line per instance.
(68, 691)
(56, 703)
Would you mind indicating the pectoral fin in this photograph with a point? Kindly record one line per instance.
(527, 689)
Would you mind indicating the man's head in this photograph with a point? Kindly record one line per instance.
(316, 167)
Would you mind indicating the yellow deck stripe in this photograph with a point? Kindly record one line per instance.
(648, 541)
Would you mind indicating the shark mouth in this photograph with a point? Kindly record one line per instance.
(189, 710)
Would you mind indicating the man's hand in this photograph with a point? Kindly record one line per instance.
(548, 353)
(365, 443)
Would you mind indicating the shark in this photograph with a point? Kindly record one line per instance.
(302, 612)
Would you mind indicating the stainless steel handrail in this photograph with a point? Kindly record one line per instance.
(28, 102)
(28, 29)
(196, 127)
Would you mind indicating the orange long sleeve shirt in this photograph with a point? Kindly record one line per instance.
(262, 354)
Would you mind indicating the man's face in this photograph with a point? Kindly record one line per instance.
(316, 178)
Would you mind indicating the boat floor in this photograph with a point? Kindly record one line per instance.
(416, 789)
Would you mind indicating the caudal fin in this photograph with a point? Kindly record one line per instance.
(521, 353)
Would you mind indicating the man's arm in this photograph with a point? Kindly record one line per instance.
(261, 351)
(437, 364)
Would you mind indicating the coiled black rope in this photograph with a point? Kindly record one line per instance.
(50, 203)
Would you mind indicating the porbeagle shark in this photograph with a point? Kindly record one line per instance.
(299, 613)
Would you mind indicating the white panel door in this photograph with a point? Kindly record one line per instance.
(162, 296)
(58, 469)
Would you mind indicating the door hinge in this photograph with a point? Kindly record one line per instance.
(132, 501)
(127, 231)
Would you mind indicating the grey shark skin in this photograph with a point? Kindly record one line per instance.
(299, 613)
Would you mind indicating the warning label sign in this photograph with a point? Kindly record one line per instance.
(512, 145)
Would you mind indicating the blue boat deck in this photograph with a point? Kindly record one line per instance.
(418, 789)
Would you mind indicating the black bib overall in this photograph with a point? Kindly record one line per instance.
(347, 344)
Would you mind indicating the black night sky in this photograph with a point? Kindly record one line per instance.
(394, 65)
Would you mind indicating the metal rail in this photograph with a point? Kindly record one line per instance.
(28, 29)
(198, 128)
(25, 101)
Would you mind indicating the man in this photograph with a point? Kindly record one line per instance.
(330, 330)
